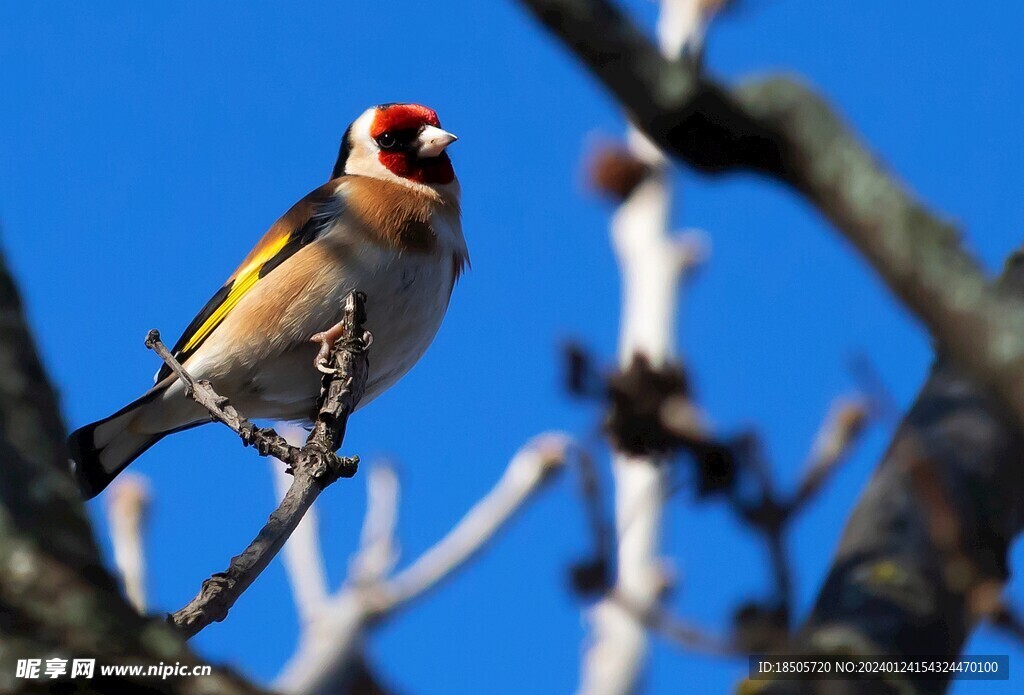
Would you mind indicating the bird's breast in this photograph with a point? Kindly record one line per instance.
(270, 372)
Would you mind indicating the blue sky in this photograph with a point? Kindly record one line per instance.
(145, 146)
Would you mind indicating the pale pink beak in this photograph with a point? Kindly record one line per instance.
(433, 141)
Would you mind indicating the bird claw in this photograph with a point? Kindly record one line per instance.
(327, 339)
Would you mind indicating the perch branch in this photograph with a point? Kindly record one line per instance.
(267, 441)
(304, 561)
(330, 646)
(314, 466)
(302, 555)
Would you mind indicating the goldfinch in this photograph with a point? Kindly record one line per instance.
(387, 224)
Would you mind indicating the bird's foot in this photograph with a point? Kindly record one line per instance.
(327, 339)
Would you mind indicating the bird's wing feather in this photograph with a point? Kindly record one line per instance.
(302, 224)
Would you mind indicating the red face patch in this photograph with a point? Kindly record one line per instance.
(402, 117)
(398, 118)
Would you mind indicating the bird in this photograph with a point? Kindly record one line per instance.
(387, 223)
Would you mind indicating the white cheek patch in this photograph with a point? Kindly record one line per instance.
(364, 157)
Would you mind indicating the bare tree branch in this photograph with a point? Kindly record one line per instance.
(378, 547)
(925, 552)
(330, 646)
(127, 508)
(302, 555)
(304, 561)
(652, 262)
(839, 432)
(56, 598)
(772, 514)
(782, 129)
(887, 592)
(314, 466)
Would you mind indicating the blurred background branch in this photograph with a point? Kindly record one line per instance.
(329, 658)
(56, 599)
(925, 553)
(127, 511)
(923, 559)
(935, 524)
(653, 263)
(782, 129)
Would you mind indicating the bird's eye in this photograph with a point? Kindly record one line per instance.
(387, 141)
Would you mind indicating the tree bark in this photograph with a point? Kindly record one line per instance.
(783, 130)
(929, 537)
(56, 597)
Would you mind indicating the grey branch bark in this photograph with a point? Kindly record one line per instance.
(56, 598)
(782, 129)
(313, 467)
(928, 541)
(929, 538)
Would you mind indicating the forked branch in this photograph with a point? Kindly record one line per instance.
(314, 466)
(330, 644)
(780, 128)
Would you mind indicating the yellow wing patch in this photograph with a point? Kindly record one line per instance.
(299, 226)
(243, 284)
(244, 281)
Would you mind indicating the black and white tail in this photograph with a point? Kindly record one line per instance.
(105, 448)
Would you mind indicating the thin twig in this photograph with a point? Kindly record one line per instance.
(378, 549)
(677, 631)
(267, 441)
(127, 508)
(771, 514)
(779, 128)
(769, 518)
(595, 574)
(314, 466)
(329, 646)
(840, 431)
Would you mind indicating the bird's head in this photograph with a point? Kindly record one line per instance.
(403, 142)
